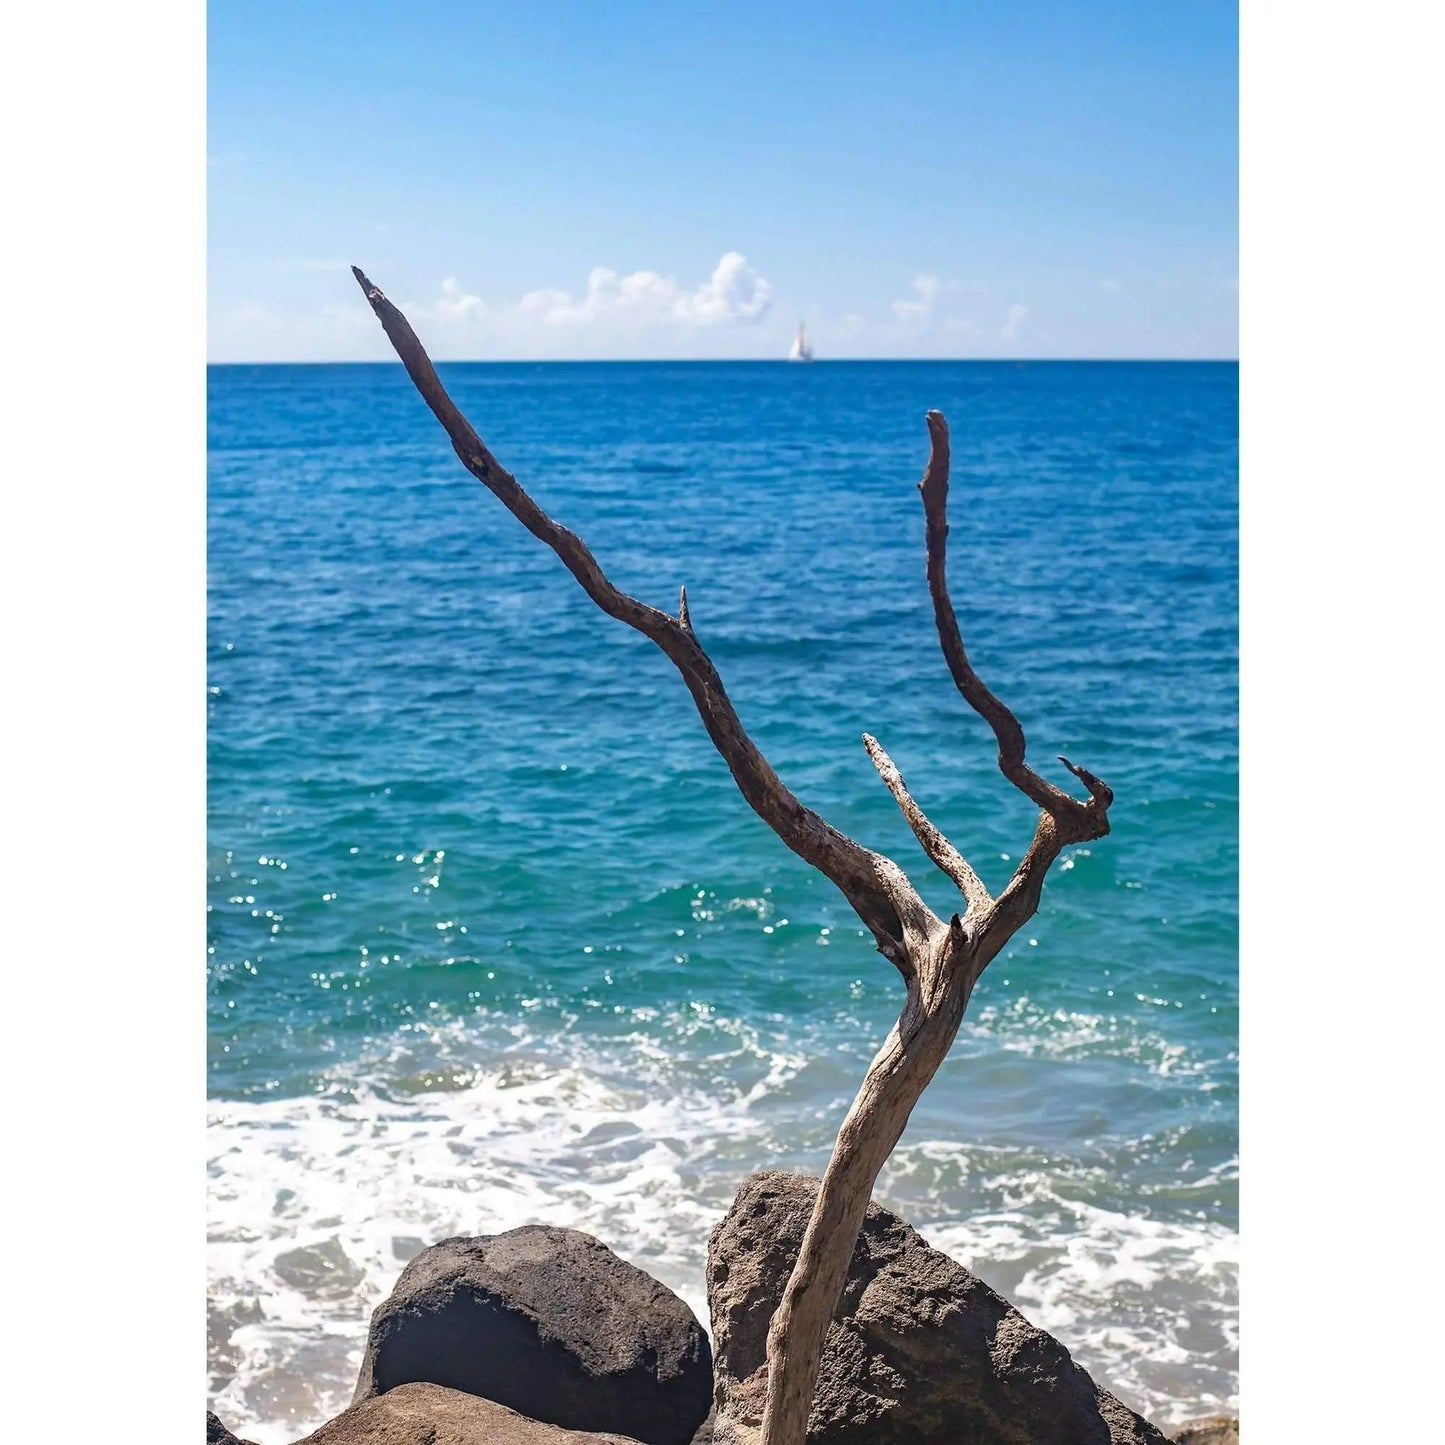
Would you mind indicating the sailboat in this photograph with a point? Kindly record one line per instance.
(800, 350)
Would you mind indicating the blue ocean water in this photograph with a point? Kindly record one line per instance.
(494, 939)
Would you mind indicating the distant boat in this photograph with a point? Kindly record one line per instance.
(800, 350)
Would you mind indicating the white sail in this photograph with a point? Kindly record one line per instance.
(801, 350)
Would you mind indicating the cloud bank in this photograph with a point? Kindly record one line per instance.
(733, 293)
(635, 314)
(625, 315)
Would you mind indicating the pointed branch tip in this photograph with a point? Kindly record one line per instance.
(1074, 768)
(941, 852)
(1098, 788)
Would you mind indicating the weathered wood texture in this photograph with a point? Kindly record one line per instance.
(940, 960)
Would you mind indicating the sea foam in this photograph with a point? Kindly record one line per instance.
(317, 1202)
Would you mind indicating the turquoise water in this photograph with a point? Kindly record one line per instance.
(493, 938)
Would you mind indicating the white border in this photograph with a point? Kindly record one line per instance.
(103, 537)
(1341, 960)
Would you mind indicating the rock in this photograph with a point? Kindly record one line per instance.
(550, 1323)
(1215, 1430)
(434, 1415)
(921, 1352)
(217, 1434)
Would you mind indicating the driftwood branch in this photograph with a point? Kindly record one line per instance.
(875, 886)
(1082, 817)
(938, 848)
(940, 961)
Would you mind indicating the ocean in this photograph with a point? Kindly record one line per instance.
(493, 939)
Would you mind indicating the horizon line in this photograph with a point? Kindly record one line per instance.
(757, 361)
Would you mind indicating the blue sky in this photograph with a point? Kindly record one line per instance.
(544, 179)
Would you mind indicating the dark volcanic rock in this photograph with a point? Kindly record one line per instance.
(1216, 1430)
(434, 1415)
(217, 1434)
(550, 1323)
(921, 1352)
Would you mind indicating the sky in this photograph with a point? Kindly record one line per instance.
(604, 180)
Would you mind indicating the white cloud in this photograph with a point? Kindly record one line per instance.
(1017, 315)
(1111, 285)
(925, 290)
(733, 293)
(456, 304)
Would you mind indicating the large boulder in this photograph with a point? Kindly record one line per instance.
(550, 1323)
(921, 1351)
(434, 1415)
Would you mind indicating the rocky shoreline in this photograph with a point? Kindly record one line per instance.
(543, 1336)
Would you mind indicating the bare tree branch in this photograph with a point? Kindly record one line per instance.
(1070, 813)
(938, 848)
(940, 962)
(874, 885)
